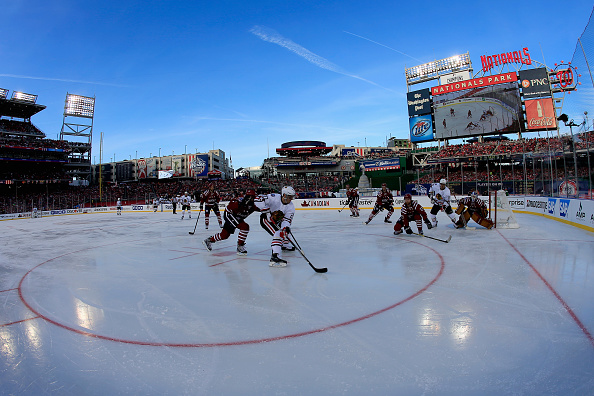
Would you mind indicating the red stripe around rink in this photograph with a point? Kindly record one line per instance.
(550, 287)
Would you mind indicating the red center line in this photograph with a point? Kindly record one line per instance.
(567, 307)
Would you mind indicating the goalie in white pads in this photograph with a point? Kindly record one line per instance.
(276, 218)
(439, 195)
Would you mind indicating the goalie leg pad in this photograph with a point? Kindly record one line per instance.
(482, 221)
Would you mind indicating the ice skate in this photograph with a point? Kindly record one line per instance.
(241, 251)
(387, 221)
(276, 261)
(208, 244)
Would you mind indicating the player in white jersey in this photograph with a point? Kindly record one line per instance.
(440, 198)
(185, 204)
(156, 203)
(119, 206)
(276, 218)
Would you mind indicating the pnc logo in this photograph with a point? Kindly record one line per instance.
(525, 83)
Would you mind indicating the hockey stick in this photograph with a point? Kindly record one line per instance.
(294, 242)
(437, 239)
(340, 210)
(195, 225)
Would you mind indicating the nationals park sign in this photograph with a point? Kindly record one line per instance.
(474, 83)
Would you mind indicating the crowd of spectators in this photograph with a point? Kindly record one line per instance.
(321, 186)
(504, 174)
(15, 199)
(32, 143)
(509, 147)
(19, 127)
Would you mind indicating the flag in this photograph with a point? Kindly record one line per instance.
(165, 174)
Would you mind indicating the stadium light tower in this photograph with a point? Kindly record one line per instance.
(433, 70)
(77, 126)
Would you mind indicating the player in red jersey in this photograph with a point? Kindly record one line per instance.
(411, 211)
(210, 201)
(353, 200)
(385, 200)
(235, 214)
(473, 207)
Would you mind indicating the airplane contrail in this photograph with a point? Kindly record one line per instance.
(61, 79)
(274, 37)
(390, 48)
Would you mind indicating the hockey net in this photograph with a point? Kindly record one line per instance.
(501, 211)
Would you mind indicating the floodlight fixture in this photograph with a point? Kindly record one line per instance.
(24, 97)
(432, 70)
(3, 93)
(79, 106)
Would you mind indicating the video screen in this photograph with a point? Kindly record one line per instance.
(490, 110)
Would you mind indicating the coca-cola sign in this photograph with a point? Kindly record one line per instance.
(540, 114)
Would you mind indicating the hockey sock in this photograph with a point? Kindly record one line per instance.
(242, 237)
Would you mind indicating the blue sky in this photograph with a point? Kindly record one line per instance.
(246, 76)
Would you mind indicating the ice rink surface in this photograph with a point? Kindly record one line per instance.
(100, 304)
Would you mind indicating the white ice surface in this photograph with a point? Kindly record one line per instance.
(100, 304)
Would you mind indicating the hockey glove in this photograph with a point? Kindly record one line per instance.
(428, 223)
(408, 230)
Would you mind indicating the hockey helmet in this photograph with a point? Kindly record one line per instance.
(407, 196)
(473, 194)
(251, 193)
(288, 190)
(443, 181)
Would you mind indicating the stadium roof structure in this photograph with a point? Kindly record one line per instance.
(19, 109)
(303, 147)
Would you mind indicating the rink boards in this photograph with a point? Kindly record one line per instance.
(576, 212)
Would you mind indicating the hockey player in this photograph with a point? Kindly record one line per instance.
(439, 194)
(185, 204)
(119, 207)
(473, 207)
(469, 114)
(385, 200)
(452, 112)
(235, 214)
(210, 199)
(353, 200)
(276, 218)
(156, 204)
(411, 211)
